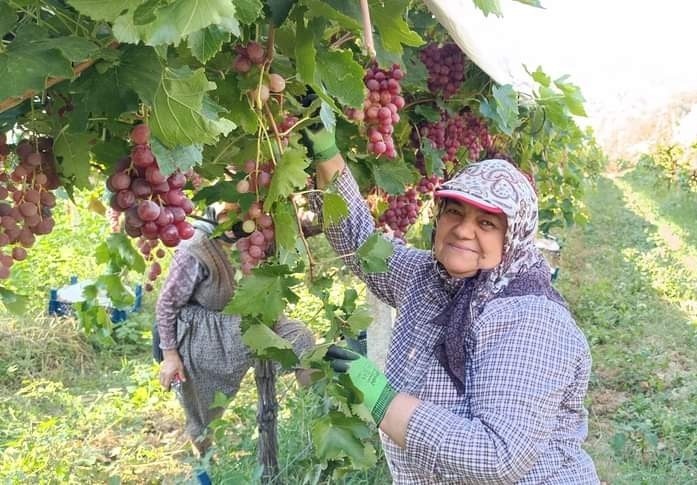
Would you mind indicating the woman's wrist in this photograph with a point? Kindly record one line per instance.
(170, 353)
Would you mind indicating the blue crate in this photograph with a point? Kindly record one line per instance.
(58, 307)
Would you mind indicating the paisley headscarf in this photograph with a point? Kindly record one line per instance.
(496, 186)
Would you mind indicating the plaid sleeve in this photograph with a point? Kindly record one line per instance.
(347, 236)
(185, 273)
(517, 387)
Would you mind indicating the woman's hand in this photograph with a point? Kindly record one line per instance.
(171, 368)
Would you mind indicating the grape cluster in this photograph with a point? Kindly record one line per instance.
(446, 68)
(26, 199)
(402, 212)
(380, 109)
(154, 206)
(453, 132)
(285, 127)
(428, 185)
(247, 56)
(148, 248)
(255, 247)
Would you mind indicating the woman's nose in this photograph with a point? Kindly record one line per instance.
(465, 229)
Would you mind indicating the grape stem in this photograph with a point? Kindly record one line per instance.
(274, 127)
(367, 29)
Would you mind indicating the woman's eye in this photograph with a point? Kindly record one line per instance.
(487, 224)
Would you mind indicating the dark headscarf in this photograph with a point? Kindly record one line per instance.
(522, 270)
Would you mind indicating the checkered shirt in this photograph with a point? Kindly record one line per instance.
(521, 418)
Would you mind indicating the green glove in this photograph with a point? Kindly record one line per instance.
(377, 392)
(321, 144)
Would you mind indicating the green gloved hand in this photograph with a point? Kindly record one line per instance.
(377, 392)
(321, 144)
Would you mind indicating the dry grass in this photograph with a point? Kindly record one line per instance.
(42, 346)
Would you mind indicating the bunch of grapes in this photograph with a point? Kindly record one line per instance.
(453, 132)
(255, 247)
(25, 192)
(285, 127)
(402, 212)
(380, 109)
(148, 248)
(154, 206)
(428, 185)
(247, 56)
(446, 68)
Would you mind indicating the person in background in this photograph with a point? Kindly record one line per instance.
(201, 347)
(487, 371)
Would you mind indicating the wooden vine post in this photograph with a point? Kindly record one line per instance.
(267, 419)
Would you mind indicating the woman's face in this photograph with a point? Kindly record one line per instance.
(468, 239)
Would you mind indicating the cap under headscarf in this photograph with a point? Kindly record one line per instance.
(495, 186)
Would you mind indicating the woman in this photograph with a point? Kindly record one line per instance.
(487, 371)
(202, 347)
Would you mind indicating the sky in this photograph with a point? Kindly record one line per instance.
(624, 54)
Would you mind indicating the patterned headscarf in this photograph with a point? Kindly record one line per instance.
(496, 186)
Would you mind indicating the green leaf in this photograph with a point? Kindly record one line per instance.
(119, 294)
(388, 18)
(489, 6)
(279, 10)
(334, 208)
(177, 158)
(540, 77)
(337, 436)
(342, 76)
(13, 302)
(416, 74)
(73, 156)
(327, 116)
(111, 151)
(207, 42)
(433, 159)
(285, 225)
(101, 10)
(573, 99)
(321, 9)
(429, 113)
(26, 65)
(265, 287)
(267, 344)
(8, 17)
(240, 112)
(305, 51)
(130, 72)
(118, 252)
(177, 20)
(393, 176)
(248, 10)
(289, 175)
(72, 47)
(374, 252)
(181, 115)
(504, 111)
(360, 319)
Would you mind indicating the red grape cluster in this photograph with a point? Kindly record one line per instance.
(25, 192)
(402, 212)
(255, 247)
(247, 56)
(285, 127)
(380, 109)
(462, 130)
(446, 68)
(151, 253)
(428, 185)
(154, 206)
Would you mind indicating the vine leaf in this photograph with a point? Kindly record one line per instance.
(207, 42)
(279, 10)
(334, 208)
(488, 7)
(389, 21)
(118, 253)
(321, 9)
(248, 10)
(99, 10)
(392, 177)
(175, 21)
(179, 157)
(181, 113)
(337, 436)
(73, 155)
(28, 61)
(342, 76)
(305, 51)
(285, 225)
(504, 109)
(262, 294)
(289, 175)
(433, 159)
(360, 319)
(265, 343)
(373, 254)
(573, 99)
(8, 17)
